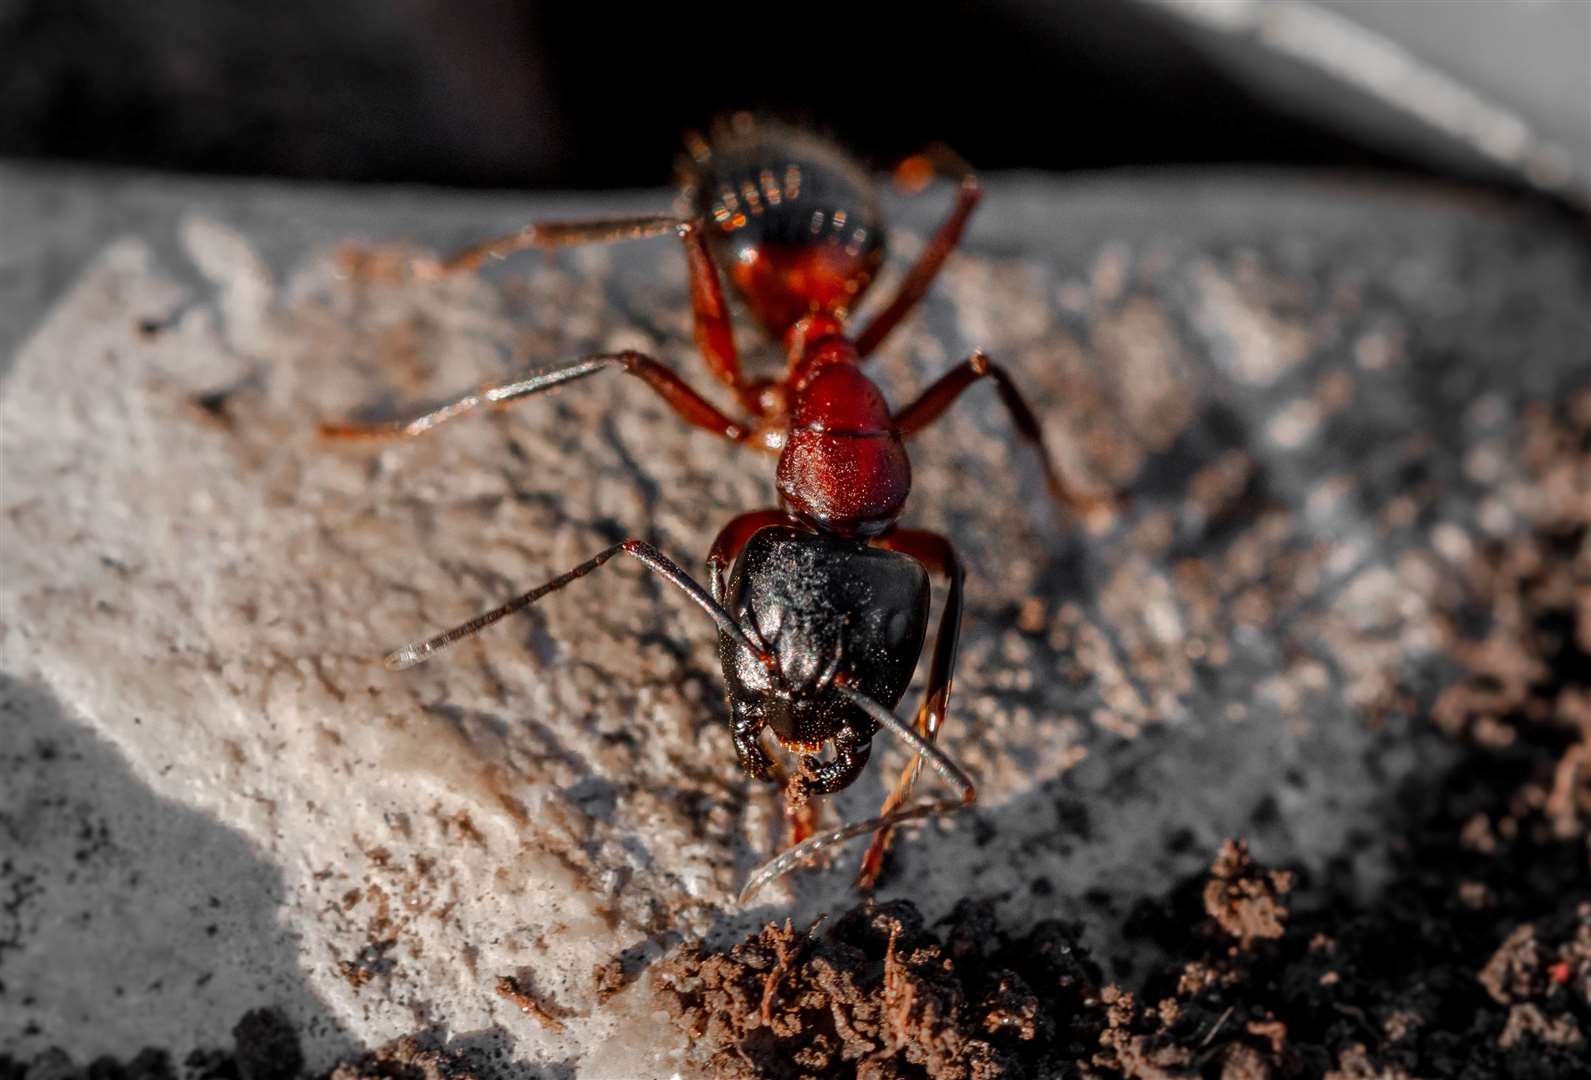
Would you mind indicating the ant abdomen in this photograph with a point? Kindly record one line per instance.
(793, 220)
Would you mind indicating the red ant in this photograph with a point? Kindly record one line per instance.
(824, 612)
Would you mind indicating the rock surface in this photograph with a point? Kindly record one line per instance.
(1318, 399)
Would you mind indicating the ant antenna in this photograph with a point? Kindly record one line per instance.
(810, 848)
(654, 560)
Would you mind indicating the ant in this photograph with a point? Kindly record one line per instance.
(822, 603)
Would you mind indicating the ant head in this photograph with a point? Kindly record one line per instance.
(823, 607)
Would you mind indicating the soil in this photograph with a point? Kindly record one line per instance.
(265, 1047)
(1411, 986)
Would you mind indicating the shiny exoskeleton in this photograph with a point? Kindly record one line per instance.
(821, 603)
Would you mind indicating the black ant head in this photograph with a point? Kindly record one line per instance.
(825, 608)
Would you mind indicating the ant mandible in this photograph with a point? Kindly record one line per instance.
(823, 613)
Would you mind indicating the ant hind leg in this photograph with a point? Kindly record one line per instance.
(714, 333)
(388, 263)
(943, 161)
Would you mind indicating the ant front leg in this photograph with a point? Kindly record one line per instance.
(931, 405)
(418, 652)
(939, 556)
(945, 162)
(687, 404)
(800, 813)
(731, 538)
(966, 793)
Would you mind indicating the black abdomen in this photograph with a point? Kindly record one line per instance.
(794, 221)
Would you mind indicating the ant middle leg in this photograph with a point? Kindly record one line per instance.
(945, 162)
(549, 235)
(939, 556)
(383, 263)
(933, 402)
(687, 404)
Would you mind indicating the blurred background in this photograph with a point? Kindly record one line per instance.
(494, 93)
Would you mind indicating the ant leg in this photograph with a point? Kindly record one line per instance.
(686, 403)
(731, 538)
(948, 770)
(650, 557)
(714, 332)
(942, 394)
(802, 821)
(544, 235)
(945, 162)
(936, 553)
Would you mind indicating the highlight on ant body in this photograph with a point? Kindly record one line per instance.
(822, 602)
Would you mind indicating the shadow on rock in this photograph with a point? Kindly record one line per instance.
(126, 920)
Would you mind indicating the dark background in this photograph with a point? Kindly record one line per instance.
(572, 94)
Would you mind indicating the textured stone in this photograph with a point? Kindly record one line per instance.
(1310, 394)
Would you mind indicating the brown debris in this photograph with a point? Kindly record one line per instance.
(412, 1057)
(1530, 975)
(1242, 1062)
(610, 979)
(1528, 1020)
(876, 996)
(1355, 1063)
(1514, 970)
(512, 990)
(1243, 899)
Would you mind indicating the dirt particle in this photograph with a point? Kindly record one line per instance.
(1529, 1021)
(512, 990)
(1512, 971)
(609, 978)
(1242, 1062)
(1245, 900)
(412, 1057)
